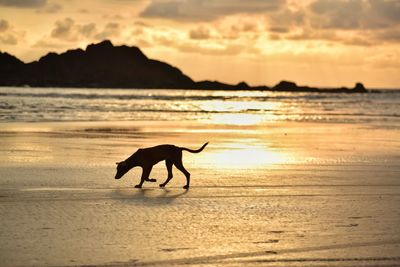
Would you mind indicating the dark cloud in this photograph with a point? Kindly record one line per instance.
(389, 35)
(50, 8)
(207, 10)
(341, 14)
(8, 35)
(23, 3)
(279, 29)
(8, 39)
(63, 29)
(3, 25)
(249, 27)
(68, 30)
(88, 30)
(200, 33)
(355, 14)
(110, 30)
(286, 17)
(389, 9)
(349, 22)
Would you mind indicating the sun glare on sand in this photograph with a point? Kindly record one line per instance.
(247, 157)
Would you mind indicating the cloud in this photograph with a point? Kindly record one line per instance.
(8, 35)
(68, 30)
(23, 3)
(279, 29)
(389, 35)
(63, 29)
(200, 33)
(50, 8)
(3, 25)
(111, 29)
(205, 40)
(342, 14)
(8, 39)
(355, 14)
(207, 10)
(388, 10)
(88, 30)
(345, 22)
(286, 18)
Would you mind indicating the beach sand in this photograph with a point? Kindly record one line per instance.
(273, 194)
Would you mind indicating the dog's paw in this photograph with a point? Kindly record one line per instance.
(186, 187)
(162, 185)
(138, 186)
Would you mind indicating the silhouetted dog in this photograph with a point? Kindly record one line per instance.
(148, 157)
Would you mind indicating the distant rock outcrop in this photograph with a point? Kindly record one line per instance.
(107, 66)
(359, 88)
(212, 85)
(285, 86)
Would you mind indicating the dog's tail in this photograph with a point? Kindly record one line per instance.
(195, 151)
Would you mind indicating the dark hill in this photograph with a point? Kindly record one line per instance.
(107, 66)
(9, 67)
(102, 65)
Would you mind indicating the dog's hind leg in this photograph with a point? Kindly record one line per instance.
(145, 176)
(180, 167)
(168, 163)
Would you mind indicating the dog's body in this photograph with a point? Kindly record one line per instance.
(148, 157)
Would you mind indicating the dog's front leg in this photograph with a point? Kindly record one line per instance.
(145, 176)
(168, 163)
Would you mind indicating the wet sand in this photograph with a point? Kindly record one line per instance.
(277, 194)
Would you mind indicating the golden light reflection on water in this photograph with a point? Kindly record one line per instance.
(241, 112)
(248, 157)
(237, 119)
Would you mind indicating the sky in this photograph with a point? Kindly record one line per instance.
(311, 42)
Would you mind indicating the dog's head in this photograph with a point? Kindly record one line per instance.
(122, 168)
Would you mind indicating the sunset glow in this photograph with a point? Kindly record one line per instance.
(314, 42)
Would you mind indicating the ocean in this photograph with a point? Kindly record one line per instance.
(231, 107)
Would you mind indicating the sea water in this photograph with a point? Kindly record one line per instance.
(225, 107)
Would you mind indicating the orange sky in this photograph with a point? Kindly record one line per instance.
(313, 42)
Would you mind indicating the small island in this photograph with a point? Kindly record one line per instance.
(104, 65)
